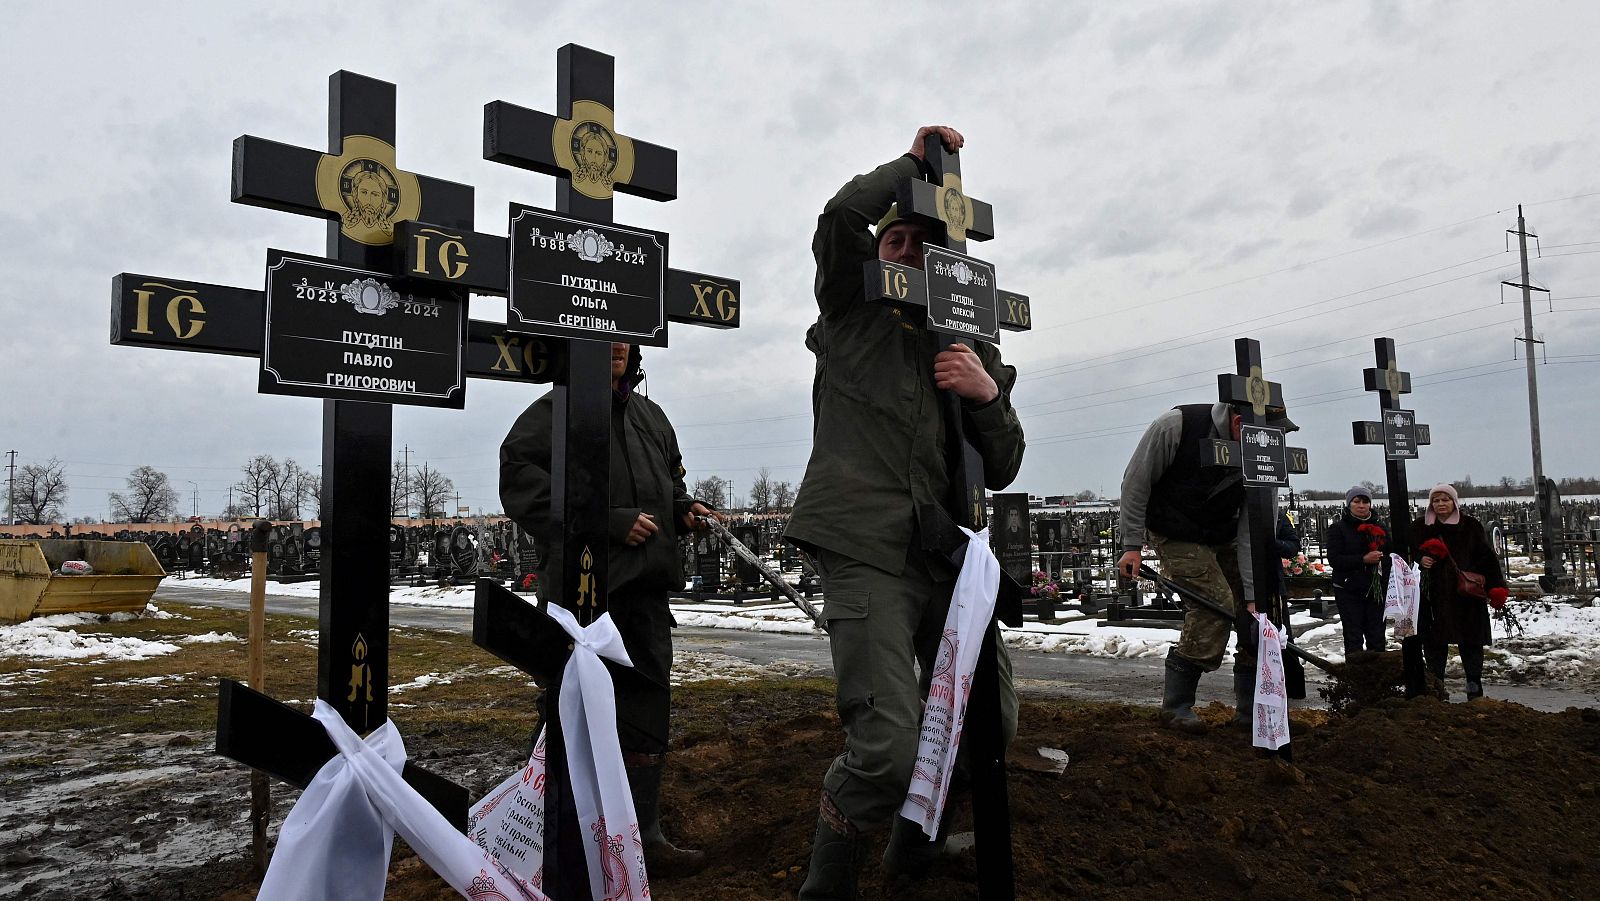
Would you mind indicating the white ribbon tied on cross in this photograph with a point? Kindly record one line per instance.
(1271, 720)
(508, 823)
(594, 760)
(971, 609)
(1404, 597)
(335, 842)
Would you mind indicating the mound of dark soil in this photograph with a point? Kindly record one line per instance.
(1417, 799)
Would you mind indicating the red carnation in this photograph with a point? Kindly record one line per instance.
(1497, 597)
(1435, 548)
(1375, 535)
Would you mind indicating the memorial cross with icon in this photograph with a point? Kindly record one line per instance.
(957, 295)
(344, 329)
(1266, 461)
(1400, 435)
(575, 274)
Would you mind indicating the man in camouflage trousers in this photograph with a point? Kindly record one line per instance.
(1189, 513)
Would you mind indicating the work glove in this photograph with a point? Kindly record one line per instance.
(1497, 597)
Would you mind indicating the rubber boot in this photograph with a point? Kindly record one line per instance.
(836, 852)
(1177, 698)
(1244, 697)
(661, 857)
(909, 853)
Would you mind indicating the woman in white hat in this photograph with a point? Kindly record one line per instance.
(1462, 581)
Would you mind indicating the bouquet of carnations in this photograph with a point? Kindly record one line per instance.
(1043, 587)
(1299, 565)
(1376, 537)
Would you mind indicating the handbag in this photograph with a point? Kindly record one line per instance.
(1470, 584)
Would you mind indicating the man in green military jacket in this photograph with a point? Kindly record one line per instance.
(649, 506)
(878, 452)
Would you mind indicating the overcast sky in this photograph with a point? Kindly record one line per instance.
(1166, 177)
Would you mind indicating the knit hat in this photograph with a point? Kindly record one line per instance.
(1356, 492)
(1455, 515)
(890, 218)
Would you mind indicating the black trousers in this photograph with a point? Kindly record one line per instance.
(1361, 617)
(1436, 652)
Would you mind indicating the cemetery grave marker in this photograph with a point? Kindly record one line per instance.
(358, 186)
(590, 160)
(1400, 435)
(1266, 460)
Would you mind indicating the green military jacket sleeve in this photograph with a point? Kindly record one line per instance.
(878, 437)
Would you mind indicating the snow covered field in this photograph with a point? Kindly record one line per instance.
(1560, 645)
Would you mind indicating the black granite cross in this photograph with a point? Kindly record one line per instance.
(1399, 433)
(590, 160)
(359, 186)
(1263, 454)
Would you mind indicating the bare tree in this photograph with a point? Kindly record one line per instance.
(761, 492)
(712, 491)
(291, 489)
(400, 491)
(782, 497)
(150, 497)
(253, 492)
(433, 489)
(39, 492)
(1085, 495)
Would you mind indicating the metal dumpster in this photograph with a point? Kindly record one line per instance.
(124, 579)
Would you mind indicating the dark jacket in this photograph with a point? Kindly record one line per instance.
(1347, 544)
(1448, 616)
(1287, 537)
(1193, 500)
(646, 475)
(877, 449)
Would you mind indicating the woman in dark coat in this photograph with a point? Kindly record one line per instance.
(1449, 615)
(1357, 557)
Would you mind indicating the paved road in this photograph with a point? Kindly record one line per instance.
(1038, 673)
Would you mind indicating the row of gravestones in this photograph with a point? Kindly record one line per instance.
(463, 551)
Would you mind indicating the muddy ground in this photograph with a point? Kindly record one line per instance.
(110, 789)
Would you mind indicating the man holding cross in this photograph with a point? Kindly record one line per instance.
(648, 508)
(1190, 514)
(878, 453)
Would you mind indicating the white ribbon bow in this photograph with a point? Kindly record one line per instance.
(335, 842)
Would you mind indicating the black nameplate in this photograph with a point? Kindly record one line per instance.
(150, 311)
(961, 295)
(588, 280)
(1399, 435)
(699, 299)
(1263, 456)
(334, 331)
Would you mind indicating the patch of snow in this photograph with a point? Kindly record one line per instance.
(209, 638)
(53, 638)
